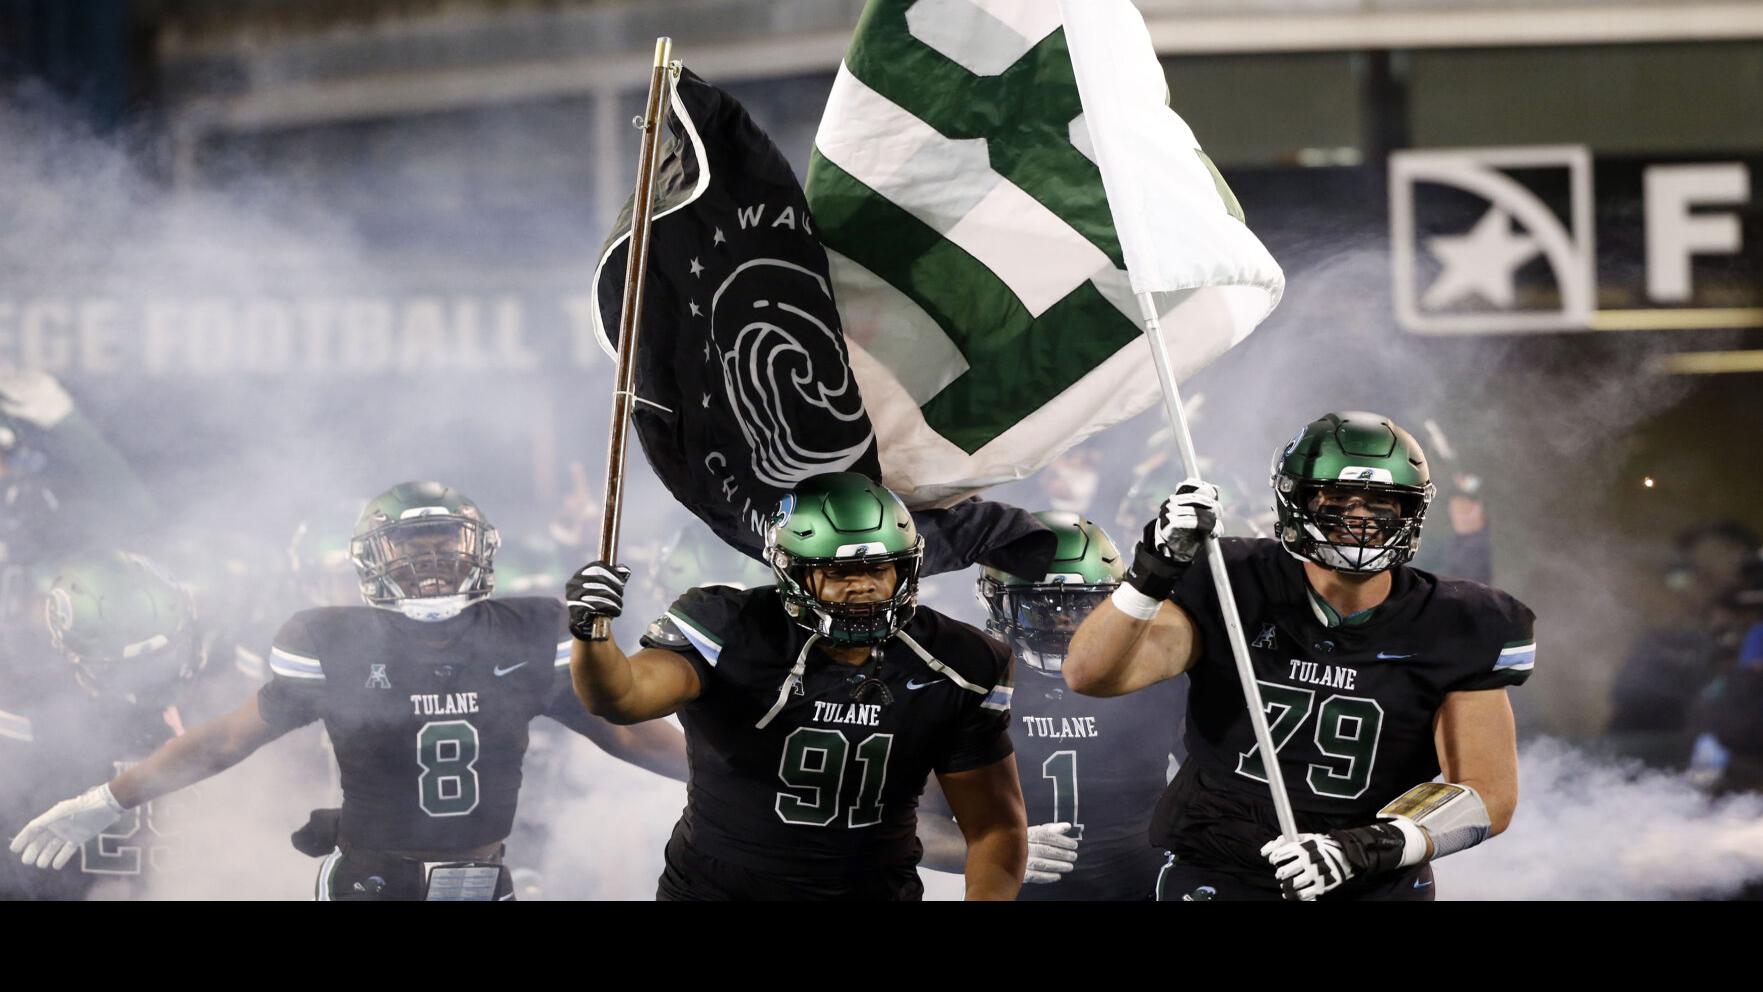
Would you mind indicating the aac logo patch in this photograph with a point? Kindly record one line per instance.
(376, 677)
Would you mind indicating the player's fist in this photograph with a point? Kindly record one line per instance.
(34, 397)
(1052, 853)
(50, 840)
(1309, 866)
(1173, 538)
(595, 591)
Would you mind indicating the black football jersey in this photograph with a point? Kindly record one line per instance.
(1350, 701)
(428, 719)
(1099, 764)
(832, 783)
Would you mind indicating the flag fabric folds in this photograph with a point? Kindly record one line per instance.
(980, 274)
(743, 387)
(742, 382)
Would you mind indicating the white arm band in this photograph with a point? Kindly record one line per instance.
(1452, 816)
(1135, 604)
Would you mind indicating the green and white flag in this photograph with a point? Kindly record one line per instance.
(980, 278)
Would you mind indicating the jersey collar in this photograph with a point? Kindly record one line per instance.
(1330, 617)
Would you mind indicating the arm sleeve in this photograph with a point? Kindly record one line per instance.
(294, 694)
(1506, 648)
(983, 735)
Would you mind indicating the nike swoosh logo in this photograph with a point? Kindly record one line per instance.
(919, 685)
(500, 671)
(1386, 656)
(1419, 884)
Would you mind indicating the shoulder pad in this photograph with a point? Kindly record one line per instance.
(709, 616)
(664, 633)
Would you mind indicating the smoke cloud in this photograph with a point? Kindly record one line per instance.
(255, 359)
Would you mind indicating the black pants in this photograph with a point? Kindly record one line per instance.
(1185, 881)
(690, 876)
(360, 875)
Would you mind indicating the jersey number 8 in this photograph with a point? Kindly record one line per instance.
(447, 752)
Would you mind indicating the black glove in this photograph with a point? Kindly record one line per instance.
(1316, 864)
(1172, 540)
(595, 591)
(319, 836)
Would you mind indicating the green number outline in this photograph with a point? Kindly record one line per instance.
(1274, 694)
(422, 781)
(1286, 698)
(1354, 762)
(1048, 772)
(835, 748)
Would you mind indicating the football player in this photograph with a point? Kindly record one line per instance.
(1092, 769)
(122, 666)
(1375, 677)
(815, 710)
(426, 694)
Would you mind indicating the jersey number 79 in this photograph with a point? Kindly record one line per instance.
(1346, 732)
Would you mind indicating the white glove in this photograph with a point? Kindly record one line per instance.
(1309, 866)
(1052, 853)
(1173, 538)
(1184, 521)
(34, 397)
(50, 840)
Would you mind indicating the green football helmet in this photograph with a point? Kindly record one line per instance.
(1335, 458)
(128, 630)
(425, 550)
(842, 520)
(1037, 617)
(694, 556)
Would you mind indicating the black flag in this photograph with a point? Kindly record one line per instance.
(743, 382)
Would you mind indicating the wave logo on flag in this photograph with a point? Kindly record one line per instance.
(742, 382)
(1492, 240)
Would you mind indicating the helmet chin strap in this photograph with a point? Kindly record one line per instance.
(434, 608)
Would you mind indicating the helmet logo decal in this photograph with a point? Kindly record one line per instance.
(1366, 473)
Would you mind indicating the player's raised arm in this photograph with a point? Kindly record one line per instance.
(52, 839)
(1138, 638)
(618, 687)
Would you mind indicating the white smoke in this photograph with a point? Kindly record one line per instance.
(1594, 828)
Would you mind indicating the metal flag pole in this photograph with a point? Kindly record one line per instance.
(636, 271)
(1227, 601)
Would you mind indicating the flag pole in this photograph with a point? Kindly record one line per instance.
(1233, 624)
(630, 316)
